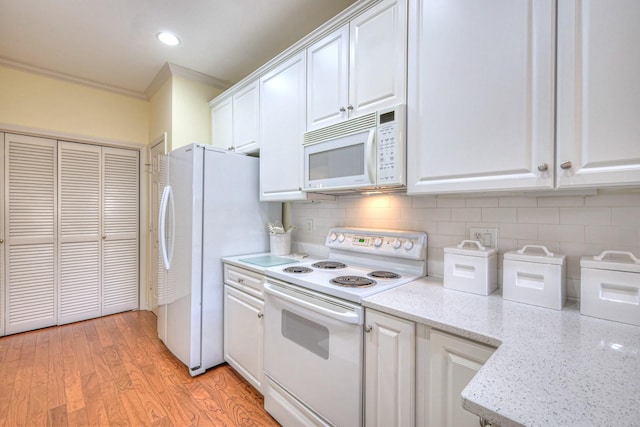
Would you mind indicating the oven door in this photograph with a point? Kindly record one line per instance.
(313, 352)
(346, 162)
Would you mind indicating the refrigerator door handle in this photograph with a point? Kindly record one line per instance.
(165, 204)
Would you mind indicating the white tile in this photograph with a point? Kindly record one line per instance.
(437, 214)
(466, 214)
(613, 237)
(424, 202)
(518, 231)
(539, 215)
(586, 216)
(450, 202)
(617, 198)
(482, 202)
(626, 216)
(512, 201)
(560, 201)
(500, 215)
(452, 228)
(561, 233)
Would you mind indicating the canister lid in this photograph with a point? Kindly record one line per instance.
(535, 253)
(471, 248)
(612, 260)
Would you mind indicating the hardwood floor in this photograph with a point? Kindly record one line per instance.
(114, 371)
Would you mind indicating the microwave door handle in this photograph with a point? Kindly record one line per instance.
(372, 157)
(339, 313)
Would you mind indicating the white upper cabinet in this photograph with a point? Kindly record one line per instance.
(481, 95)
(598, 121)
(360, 67)
(235, 120)
(282, 126)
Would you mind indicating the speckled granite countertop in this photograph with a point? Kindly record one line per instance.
(551, 368)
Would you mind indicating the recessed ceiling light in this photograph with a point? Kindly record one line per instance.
(168, 38)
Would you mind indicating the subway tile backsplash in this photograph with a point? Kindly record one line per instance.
(570, 225)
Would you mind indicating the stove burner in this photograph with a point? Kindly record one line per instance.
(298, 269)
(353, 281)
(329, 265)
(384, 275)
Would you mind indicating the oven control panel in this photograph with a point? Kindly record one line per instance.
(396, 243)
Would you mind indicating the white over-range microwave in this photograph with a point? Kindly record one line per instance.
(366, 153)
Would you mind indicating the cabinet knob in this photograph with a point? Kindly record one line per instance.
(1, 241)
(543, 167)
(342, 109)
(483, 422)
(368, 328)
(104, 237)
(240, 280)
(566, 165)
(350, 107)
(260, 315)
(230, 148)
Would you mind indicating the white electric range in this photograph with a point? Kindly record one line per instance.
(314, 343)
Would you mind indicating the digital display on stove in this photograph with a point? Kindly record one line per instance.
(361, 241)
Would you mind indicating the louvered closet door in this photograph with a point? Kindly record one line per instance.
(120, 230)
(30, 233)
(79, 285)
(2, 215)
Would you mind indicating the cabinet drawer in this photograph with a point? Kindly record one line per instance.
(245, 280)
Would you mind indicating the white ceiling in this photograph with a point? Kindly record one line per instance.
(112, 42)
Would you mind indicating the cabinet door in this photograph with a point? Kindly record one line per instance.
(222, 123)
(2, 269)
(327, 79)
(79, 247)
(246, 115)
(480, 113)
(453, 362)
(378, 57)
(243, 334)
(282, 126)
(120, 230)
(30, 233)
(390, 370)
(598, 142)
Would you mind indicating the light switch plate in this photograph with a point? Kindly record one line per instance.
(487, 236)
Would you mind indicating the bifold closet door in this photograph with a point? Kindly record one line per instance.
(79, 237)
(2, 215)
(120, 230)
(30, 233)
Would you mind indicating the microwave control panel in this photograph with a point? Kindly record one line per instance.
(390, 157)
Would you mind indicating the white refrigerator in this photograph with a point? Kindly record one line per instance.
(209, 209)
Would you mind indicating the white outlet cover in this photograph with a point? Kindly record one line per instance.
(488, 236)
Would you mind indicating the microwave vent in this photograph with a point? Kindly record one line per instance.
(344, 128)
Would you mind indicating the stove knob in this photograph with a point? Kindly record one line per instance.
(333, 237)
(396, 244)
(377, 242)
(408, 245)
(341, 238)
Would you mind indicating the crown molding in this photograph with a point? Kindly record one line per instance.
(169, 70)
(69, 78)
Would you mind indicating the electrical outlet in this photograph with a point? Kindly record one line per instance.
(309, 226)
(487, 236)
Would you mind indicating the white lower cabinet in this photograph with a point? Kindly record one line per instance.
(243, 324)
(452, 362)
(389, 370)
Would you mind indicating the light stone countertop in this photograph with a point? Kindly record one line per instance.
(551, 368)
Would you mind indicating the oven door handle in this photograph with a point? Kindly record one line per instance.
(322, 306)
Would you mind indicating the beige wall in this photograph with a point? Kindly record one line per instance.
(35, 101)
(191, 121)
(160, 106)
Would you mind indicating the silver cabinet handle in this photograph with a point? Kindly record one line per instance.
(342, 109)
(240, 280)
(566, 165)
(260, 315)
(543, 167)
(350, 107)
(484, 423)
(368, 328)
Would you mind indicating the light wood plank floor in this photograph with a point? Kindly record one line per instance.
(114, 371)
